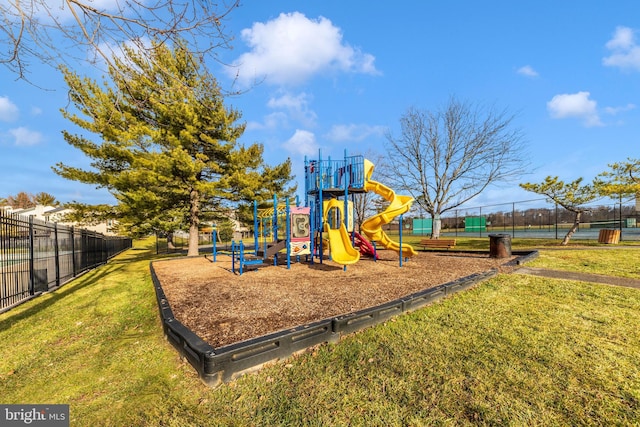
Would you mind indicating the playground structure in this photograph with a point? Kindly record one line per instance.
(328, 184)
(327, 219)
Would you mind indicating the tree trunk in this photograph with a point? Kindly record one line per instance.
(194, 223)
(572, 230)
(436, 226)
(170, 244)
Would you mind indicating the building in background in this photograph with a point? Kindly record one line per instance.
(57, 214)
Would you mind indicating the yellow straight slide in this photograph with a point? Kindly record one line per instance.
(342, 252)
(372, 227)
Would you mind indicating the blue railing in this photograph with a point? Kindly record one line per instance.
(335, 174)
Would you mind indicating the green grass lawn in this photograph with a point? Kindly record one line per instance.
(518, 243)
(514, 350)
(623, 262)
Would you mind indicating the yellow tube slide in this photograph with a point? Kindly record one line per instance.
(372, 227)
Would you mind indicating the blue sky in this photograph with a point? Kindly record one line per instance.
(338, 75)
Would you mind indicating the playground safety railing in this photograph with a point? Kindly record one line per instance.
(238, 256)
(326, 174)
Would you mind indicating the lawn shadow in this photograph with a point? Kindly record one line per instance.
(39, 302)
(31, 306)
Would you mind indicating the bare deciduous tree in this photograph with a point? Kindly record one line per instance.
(45, 31)
(22, 200)
(447, 157)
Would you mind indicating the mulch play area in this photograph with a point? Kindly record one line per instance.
(224, 308)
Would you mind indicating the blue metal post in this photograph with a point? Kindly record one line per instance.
(312, 240)
(275, 226)
(320, 207)
(255, 226)
(346, 193)
(288, 236)
(264, 239)
(400, 225)
(241, 260)
(214, 237)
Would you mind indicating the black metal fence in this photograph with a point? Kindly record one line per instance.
(36, 256)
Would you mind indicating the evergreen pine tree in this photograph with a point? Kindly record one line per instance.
(169, 150)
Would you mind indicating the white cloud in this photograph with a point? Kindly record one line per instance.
(354, 132)
(296, 106)
(625, 52)
(290, 107)
(9, 112)
(289, 101)
(616, 110)
(25, 137)
(527, 71)
(292, 48)
(623, 38)
(271, 121)
(576, 105)
(302, 143)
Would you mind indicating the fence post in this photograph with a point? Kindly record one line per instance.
(32, 282)
(556, 221)
(456, 223)
(56, 250)
(620, 214)
(73, 252)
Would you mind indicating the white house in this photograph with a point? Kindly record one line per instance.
(56, 214)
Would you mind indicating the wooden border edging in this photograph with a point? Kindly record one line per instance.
(223, 364)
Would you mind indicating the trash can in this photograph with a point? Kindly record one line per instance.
(499, 245)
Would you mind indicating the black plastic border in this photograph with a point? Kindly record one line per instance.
(525, 256)
(223, 364)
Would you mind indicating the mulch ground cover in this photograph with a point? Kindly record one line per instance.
(223, 308)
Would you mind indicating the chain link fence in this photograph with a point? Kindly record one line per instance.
(535, 219)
